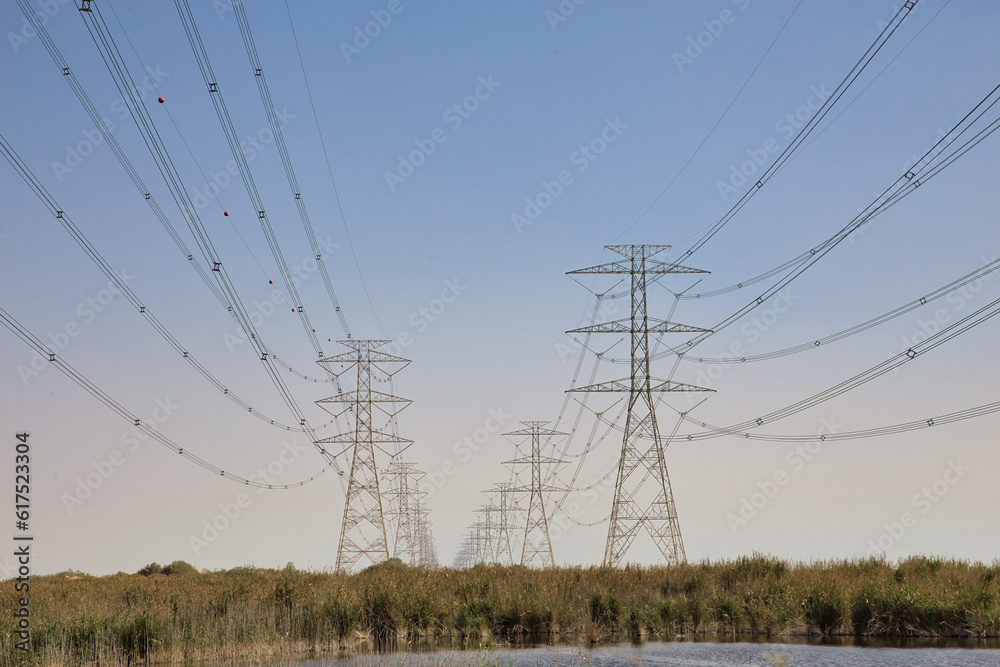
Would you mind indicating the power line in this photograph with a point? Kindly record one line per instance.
(931, 162)
(744, 429)
(70, 77)
(85, 100)
(809, 126)
(917, 424)
(232, 138)
(934, 340)
(286, 160)
(879, 431)
(127, 88)
(187, 145)
(861, 64)
(928, 298)
(329, 169)
(150, 430)
(875, 78)
(714, 127)
(183, 203)
(73, 230)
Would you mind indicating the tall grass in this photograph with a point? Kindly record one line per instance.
(257, 614)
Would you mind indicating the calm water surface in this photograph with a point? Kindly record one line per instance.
(698, 654)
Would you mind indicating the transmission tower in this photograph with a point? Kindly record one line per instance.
(537, 545)
(480, 544)
(503, 551)
(643, 498)
(466, 554)
(489, 533)
(403, 510)
(363, 505)
(426, 551)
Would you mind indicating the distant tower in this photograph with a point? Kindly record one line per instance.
(465, 556)
(402, 509)
(480, 543)
(426, 551)
(537, 545)
(504, 553)
(488, 546)
(362, 533)
(643, 498)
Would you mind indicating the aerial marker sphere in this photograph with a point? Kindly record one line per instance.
(162, 100)
(271, 281)
(225, 213)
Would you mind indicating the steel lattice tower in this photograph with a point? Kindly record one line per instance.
(426, 551)
(464, 557)
(480, 543)
(537, 545)
(643, 498)
(363, 505)
(504, 553)
(488, 547)
(403, 511)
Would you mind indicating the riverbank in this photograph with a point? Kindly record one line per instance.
(257, 615)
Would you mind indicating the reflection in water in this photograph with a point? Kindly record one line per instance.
(798, 652)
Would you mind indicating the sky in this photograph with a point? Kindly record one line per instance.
(447, 128)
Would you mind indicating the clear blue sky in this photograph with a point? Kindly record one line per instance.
(546, 87)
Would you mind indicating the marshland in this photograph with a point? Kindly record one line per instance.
(174, 613)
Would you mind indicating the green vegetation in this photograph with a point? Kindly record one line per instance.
(174, 613)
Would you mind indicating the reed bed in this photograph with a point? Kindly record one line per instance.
(258, 616)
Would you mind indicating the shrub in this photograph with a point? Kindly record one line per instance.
(152, 568)
(180, 568)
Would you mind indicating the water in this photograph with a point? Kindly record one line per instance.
(931, 653)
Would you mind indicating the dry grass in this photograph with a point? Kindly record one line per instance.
(254, 615)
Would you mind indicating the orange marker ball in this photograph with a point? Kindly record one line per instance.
(162, 100)
(226, 213)
(271, 281)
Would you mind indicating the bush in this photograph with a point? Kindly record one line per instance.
(180, 568)
(391, 565)
(152, 568)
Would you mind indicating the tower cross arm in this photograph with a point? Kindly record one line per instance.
(347, 359)
(653, 326)
(351, 397)
(643, 251)
(545, 488)
(377, 437)
(527, 431)
(625, 386)
(626, 268)
(529, 460)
